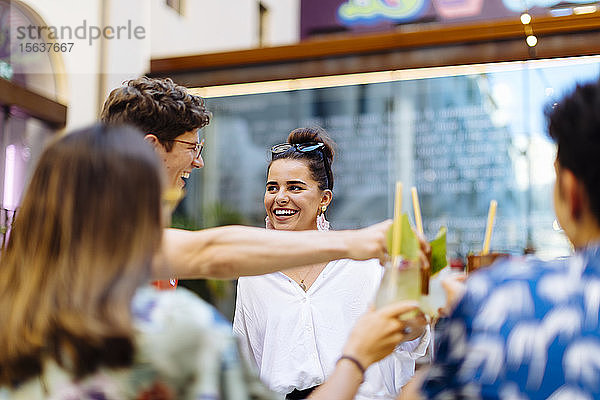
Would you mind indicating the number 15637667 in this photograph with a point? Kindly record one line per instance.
(46, 47)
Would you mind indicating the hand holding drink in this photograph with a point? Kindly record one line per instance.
(419, 272)
(407, 275)
(402, 276)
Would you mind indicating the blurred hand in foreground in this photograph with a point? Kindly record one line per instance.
(454, 286)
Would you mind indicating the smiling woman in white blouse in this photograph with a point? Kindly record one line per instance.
(294, 324)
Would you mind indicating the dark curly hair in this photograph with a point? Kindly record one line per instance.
(318, 162)
(574, 124)
(157, 106)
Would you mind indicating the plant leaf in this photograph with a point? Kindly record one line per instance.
(409, 244)
(438, 251)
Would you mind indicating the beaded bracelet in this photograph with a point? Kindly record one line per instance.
(356, 362)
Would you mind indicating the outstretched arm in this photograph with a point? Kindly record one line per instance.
(232, 251)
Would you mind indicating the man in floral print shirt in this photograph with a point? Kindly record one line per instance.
(527, 329)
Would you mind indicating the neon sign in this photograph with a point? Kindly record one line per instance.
(354, 12)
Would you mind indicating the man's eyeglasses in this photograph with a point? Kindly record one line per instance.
(304, 148)
(198, 146)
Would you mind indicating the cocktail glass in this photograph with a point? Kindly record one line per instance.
(401, 281)
(476, 261)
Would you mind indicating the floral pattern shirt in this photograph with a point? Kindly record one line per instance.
(525, 329)
(185, 350)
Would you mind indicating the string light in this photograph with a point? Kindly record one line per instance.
(531, 40)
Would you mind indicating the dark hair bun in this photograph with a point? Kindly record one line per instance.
(313, 134)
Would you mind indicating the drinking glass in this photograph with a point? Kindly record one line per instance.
(476, 261)
(401, 281)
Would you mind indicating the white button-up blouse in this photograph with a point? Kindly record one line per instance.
(294, 338)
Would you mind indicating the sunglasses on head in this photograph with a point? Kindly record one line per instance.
(307, 147)
(301, 147)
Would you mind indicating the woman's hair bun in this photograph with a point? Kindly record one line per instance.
(313, 134)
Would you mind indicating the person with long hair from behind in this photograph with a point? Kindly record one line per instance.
(78, 318)
(81, 244)
(293, 323)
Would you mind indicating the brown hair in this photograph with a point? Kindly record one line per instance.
(319, 161)
(157, 106)
(83, 241)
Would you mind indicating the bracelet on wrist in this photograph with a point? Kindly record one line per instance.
(355, 362)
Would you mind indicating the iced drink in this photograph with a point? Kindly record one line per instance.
(476, 261)
(400, 282)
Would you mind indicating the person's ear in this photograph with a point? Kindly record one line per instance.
(572, 192)
(153, 140)
(326, 197)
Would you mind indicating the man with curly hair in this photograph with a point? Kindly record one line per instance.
(170, 117)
